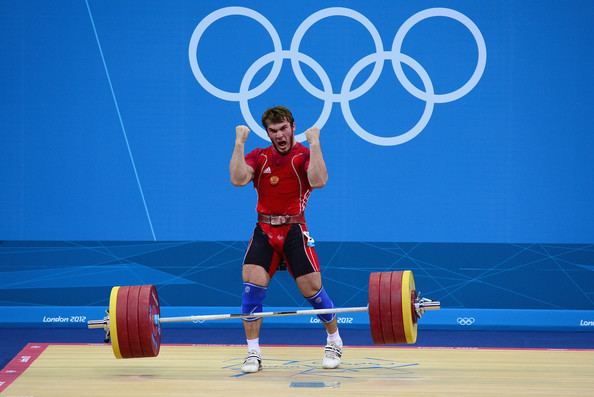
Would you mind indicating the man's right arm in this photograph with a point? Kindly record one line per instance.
(241, 173)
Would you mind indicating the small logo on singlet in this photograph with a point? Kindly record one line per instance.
(267, 171)
(310, 240)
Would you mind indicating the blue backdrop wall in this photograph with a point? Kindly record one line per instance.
(457, 136)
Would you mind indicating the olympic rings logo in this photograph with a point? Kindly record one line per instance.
(465, 320)
(346, 93)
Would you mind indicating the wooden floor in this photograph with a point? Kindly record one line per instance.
(91, 370)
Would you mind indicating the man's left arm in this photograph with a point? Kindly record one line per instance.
(317, 174)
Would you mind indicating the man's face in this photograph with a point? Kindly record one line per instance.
(281, 135)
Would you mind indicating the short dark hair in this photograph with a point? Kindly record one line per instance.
(277, 114)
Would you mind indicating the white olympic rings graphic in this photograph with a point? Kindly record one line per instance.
(346, 94)
(465, 320)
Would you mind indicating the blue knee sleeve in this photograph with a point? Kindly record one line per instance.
(251, 300)
(321, 300)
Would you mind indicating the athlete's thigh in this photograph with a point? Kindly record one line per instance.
(259, 254)
(301, 258)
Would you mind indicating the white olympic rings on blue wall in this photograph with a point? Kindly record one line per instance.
(346, 94)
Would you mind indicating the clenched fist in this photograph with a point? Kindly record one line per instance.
(241, 134)
(313, 135)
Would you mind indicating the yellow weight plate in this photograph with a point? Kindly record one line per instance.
(408, 321)
(113, 329)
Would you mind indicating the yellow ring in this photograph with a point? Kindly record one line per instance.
(410, 326)
(113, 328)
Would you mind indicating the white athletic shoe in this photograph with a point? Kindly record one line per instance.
(332, 354)
(252, 363)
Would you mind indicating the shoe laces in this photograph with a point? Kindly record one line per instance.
(332, 351)
(253, 354)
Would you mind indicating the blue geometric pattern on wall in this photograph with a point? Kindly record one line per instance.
(490, 276)
(87, 276)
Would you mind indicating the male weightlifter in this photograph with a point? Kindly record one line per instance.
(284, 175)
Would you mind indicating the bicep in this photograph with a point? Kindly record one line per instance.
(250, 172)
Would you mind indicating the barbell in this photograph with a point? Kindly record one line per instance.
(133, 321)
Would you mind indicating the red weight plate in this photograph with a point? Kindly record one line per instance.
(385, 298)
(122, 322)
(133, 329)
(374, 308)
(396, 308)
(150, 333)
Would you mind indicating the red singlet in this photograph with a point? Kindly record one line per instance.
(280, 180)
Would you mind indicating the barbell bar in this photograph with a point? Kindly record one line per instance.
(133, 321)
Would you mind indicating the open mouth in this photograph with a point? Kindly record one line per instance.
(282, 145)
